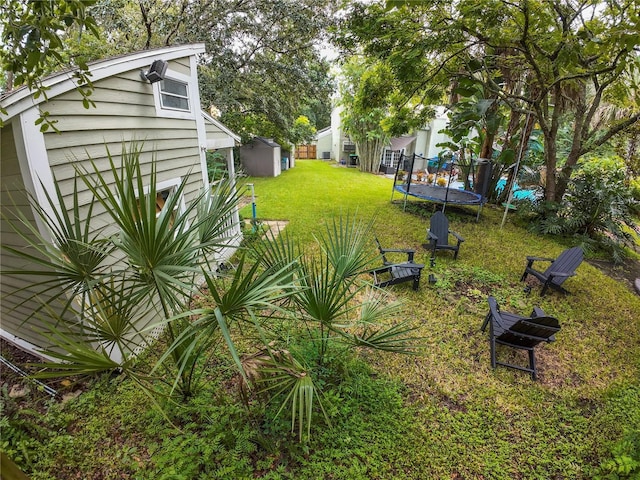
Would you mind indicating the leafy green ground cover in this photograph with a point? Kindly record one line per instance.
(443, 413)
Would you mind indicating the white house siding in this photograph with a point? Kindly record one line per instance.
(324, 143)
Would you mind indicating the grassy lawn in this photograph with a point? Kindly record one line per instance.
(443, 413)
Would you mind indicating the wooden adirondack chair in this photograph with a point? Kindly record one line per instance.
(393, 273)
(560, 269)
(522, 333)
(438, 236)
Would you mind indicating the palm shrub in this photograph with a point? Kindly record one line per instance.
(331, 309)
(141, 275)
(118, 286)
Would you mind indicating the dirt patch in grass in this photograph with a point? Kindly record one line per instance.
(627, 273)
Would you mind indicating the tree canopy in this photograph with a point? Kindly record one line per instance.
(33, 44)
(557, 62)
(262, 69)
(562, 61)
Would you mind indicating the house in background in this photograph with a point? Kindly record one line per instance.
(398, 148)
(132, 103)
(341, 144)
(262, 157)
(422, 142)
(323, 143)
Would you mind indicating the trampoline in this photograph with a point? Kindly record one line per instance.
(451, 194)
(435, 193)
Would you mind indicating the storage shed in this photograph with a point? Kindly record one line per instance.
(261, 157)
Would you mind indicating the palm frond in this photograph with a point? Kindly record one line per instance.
(161, 248)
(347, 245)
(215, 224)
(76, 357)
(68, 263)
(284, 375)
(276, 251)
(326, 296)
(392, 339)
(251, 288)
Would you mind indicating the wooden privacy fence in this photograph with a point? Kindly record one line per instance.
(306, 151)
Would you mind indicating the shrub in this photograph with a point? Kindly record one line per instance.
(597, 207)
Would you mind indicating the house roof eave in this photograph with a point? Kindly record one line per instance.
(222, 127)
(22, 99)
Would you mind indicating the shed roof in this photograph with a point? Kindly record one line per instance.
(323, 132)
(267, 141)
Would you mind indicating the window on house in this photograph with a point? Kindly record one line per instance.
(174, 95)
(349, 147)
(161, 199)
(162, 195)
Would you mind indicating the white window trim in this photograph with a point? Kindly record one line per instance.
(192, 89)
(173, 183)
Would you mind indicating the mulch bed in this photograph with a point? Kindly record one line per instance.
(627, 273)
(25, 390)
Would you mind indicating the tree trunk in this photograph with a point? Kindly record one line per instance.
(550, 161)
(579, 134)
(370, 152)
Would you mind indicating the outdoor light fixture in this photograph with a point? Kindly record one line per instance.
(156, 71)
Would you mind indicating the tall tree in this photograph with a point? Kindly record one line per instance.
(262, 69)
(261, 72)
(365, 95)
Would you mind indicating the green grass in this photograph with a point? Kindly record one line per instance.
(441, 414)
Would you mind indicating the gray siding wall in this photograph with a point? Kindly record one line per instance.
(260, 160)
(16, 307)
(125, 111)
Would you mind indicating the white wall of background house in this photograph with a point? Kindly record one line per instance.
(425, 144)
(165, 116)
(323, 144)
(433, 136)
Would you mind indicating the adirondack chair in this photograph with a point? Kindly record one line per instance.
(560, 269)
(438, 236)
(397, 273)
(522, 333)
(393, 273)
(383, 252)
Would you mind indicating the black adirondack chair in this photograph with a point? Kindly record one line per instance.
(522, 333)
(438, 236)
(560, 269)
(393, 273)
(397, 273)
(383, 252)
